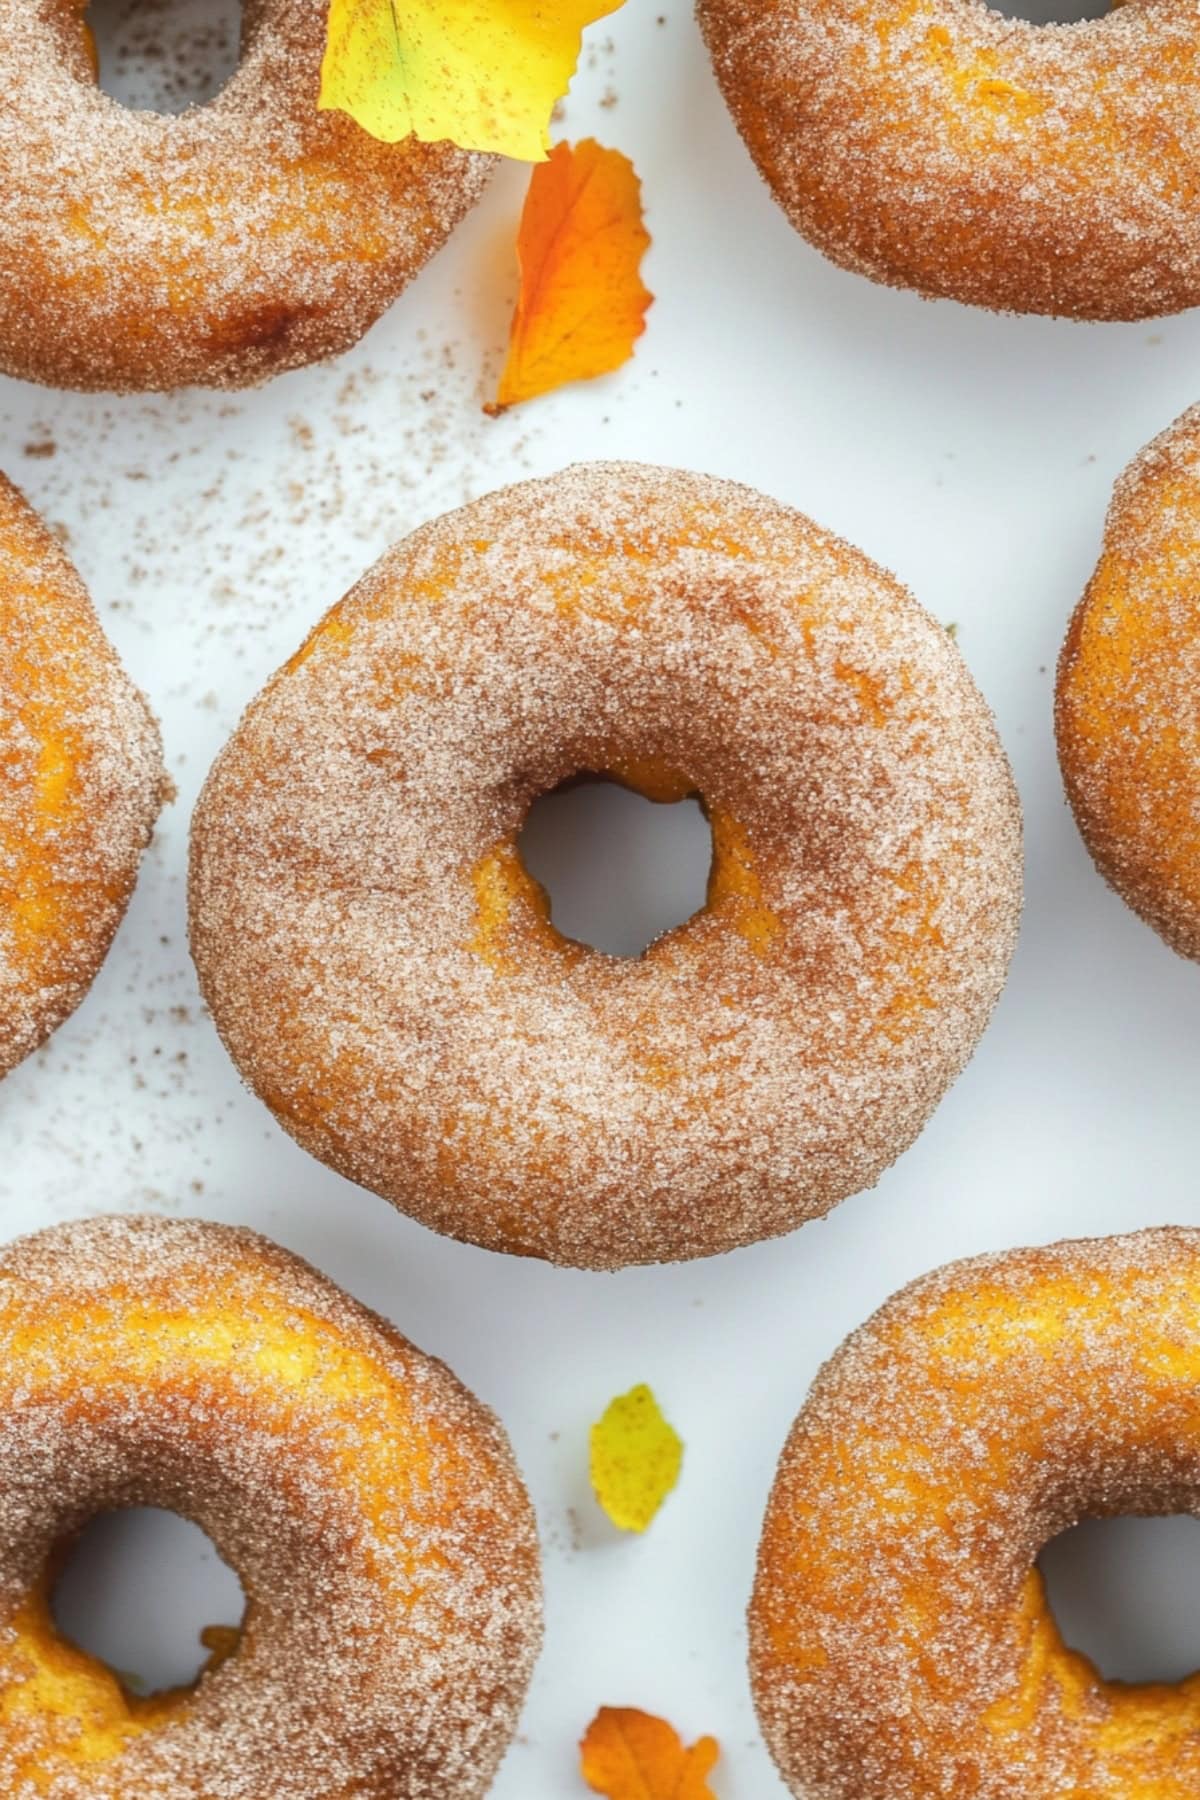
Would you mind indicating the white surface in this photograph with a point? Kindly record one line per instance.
(971, 454)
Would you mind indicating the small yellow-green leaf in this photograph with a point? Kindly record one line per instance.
(635, 1459)
(484, 74)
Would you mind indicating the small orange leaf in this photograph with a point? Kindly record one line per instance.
(631, 1755)
(582, 301)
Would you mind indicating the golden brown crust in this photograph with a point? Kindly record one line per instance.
(220, 247)
(901, 1646)
(1127, 711)
(369, 1504)
(384, 972)
(938, 145)
(81, 783)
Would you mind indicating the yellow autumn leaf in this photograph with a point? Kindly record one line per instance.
(485, 74)
(635, 1459)
(582, 301)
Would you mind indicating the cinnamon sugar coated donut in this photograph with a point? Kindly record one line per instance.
(81, 783)
(385, 973)
(938, 145)
(241, 238)
(1127, 715)
(901, 1644)
(370, 1506)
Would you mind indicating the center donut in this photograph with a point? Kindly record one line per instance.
(386, 974)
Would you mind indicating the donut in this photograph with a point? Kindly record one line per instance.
(901, 1642)
(219, 247)
(368, 1503)
(1128, 677)
(81, 783)
(938, 145)
(385, 972)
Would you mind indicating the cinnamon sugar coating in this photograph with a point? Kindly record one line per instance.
(244, 237)
(385, 973)
(81, 783)
(1127, 711)
(369, 1504)
(901, 1644)
(938, 145)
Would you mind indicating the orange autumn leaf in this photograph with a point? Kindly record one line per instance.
(631, 1755)
(582, 301)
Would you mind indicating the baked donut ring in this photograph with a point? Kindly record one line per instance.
(938, 145)
(81, 783)
(369, 1504)
(901, 1644)
(219, 247)
(385, 973)
(1126, 714)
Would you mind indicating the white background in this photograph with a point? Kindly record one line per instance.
(971, 454)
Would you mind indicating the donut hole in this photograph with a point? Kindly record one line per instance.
(163, 56)
(136, 1590)
(619, 869)
(1052, 12)
(1126, 1593)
